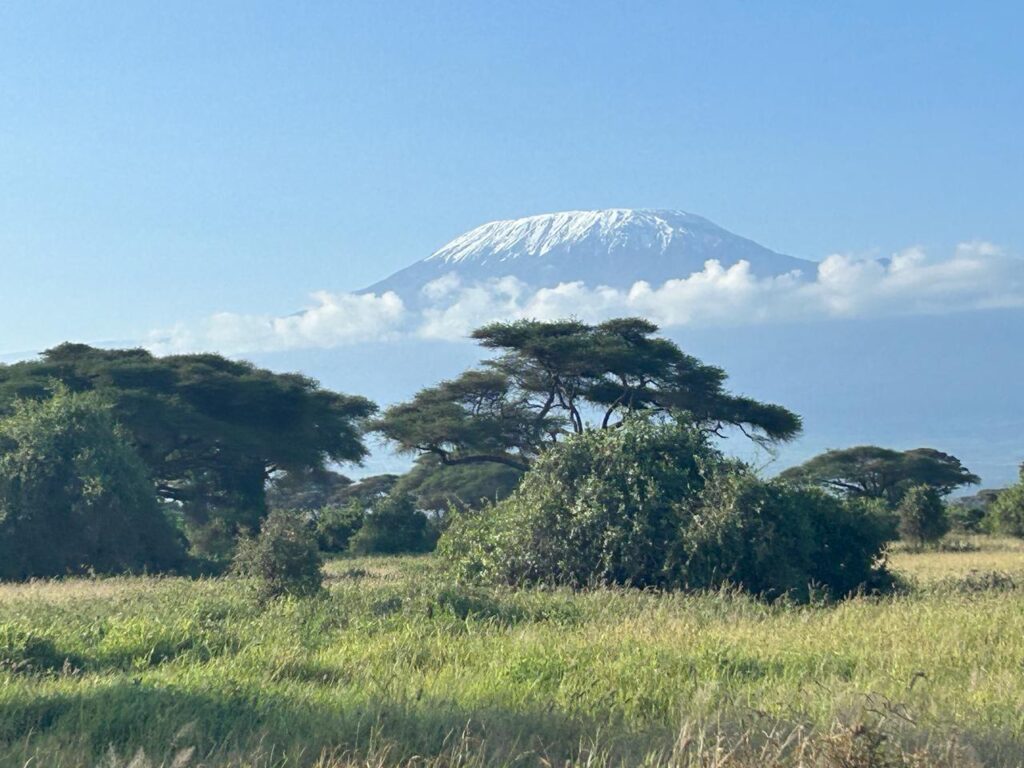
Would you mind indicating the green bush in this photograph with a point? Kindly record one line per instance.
(336, 525)
(602, 507)
(1007, 511)
(74, 495)
(212, 539)
(967, 519)
(393, 525)
(884, 517)
(774, 539)
(283, 558)
(923, 518)
(654, 505)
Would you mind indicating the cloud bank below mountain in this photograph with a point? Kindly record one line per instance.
(977, 275)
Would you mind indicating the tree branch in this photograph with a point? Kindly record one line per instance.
(482, 458)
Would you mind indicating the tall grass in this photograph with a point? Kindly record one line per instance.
(396, 667)
(959, 556)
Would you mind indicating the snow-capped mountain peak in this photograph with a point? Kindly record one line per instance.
(611, 229)
(615, 247)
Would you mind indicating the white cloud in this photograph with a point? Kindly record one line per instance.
(444, 286)
(978, 275)
(334, 320)
(463, 308)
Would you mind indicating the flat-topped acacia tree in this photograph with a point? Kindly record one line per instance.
(549, 379)
(210, 430)
(872, 472)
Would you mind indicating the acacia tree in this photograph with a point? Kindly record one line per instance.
(306, 489)
(868, 471)
(548, 377)
(212, 431)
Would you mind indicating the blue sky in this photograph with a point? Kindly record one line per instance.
(163, 161)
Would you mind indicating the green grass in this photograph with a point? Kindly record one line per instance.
(394, 663)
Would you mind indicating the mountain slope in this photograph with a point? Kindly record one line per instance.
(615, 247)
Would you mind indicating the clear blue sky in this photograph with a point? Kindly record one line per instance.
(161, 161)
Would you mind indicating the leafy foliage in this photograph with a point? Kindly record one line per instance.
(881, 473)
(549, 376)
(653, 505)
(1007, 511)
(438, 488)
(211, 430)
(393, 525)
(774, 539)
(366, 491)
(478, 417)
(967, 519)
(283, 558)
(308, 488)
(74, 496)
(602, 507)
(923, 518)
(878, 513)
(336, 525)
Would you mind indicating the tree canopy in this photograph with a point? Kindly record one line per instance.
(548, 379)
(210, 430)
(868, 471)
(306, 489)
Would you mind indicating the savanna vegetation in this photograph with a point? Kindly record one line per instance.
(210, 431)
(573, 572)
(392, 664)
(553, 379)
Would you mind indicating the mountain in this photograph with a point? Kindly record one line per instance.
(903, 381)
(615, 247)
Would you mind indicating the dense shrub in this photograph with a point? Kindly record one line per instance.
(655, 505)
(884, 517)
(1007, 512)
(964, 518)
(923, 518)
(335, 525)
(394, 525)
(772, 538)
(604, 506)
(283, 558)
(212, 539)
(74, 495)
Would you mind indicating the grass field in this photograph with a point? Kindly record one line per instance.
(981, 554)
(393, 666)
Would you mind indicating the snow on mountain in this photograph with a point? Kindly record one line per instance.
(615, 247)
